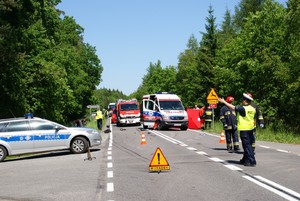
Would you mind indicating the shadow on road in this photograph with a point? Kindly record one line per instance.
(44, 155)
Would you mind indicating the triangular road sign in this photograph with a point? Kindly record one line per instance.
(212, 95)
(158, 162)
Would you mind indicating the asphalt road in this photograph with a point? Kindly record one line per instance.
(200, 169)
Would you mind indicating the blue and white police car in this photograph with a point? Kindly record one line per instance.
(32, 134)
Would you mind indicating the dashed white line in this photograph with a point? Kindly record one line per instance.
(192, 148)
(110, 174)
(233, 167)
(281, 150)
(201, 152)
(109, 165)
(110, 187)
(216, 159)
(264, 146)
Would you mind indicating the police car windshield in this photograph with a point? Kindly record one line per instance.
(125, 107)
(171, 105)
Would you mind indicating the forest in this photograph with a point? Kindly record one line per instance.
(255, 50)
(46, 67)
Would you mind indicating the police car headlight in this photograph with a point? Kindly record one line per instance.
(186, 118)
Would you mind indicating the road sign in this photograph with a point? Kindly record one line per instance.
(93, 106)
(212, 97)
(158, 162)
(213, 105)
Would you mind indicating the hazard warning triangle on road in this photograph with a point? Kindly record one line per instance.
(158, 162)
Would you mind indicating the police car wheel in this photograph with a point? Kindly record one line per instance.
(79, 145)
(3, 153)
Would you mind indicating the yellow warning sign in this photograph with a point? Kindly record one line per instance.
(159, 162)
(212, 97)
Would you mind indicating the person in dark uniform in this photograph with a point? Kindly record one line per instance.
(246, 121)
(259, 119)
(208, 116)
(229, 121)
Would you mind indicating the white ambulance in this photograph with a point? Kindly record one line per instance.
(162, 111)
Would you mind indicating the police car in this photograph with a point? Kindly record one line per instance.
(33, 134)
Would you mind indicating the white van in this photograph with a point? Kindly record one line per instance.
(165, 110)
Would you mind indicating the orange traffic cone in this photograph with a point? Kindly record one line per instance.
(222, 138)
(155, 125)
(143, 139)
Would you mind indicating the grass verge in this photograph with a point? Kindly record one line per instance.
(265, 134)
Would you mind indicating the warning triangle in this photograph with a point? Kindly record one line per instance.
(159, 161)
(212, 95)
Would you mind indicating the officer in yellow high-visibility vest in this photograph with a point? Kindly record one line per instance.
(246, 124)
(99, 117)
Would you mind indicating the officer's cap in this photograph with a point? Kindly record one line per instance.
(247, 97)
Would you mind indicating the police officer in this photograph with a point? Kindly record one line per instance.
(246, 121)
(258, 119)
(229, 121)
(208, 116)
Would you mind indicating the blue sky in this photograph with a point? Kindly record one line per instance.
(129, 34)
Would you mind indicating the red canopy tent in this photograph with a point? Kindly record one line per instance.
(194, 119)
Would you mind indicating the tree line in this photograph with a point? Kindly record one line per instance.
(46, 68)
(256, 50)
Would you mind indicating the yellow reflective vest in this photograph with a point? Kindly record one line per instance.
(99, 115)
(247, 122)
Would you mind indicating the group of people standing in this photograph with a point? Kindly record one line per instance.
(243, 118)
(206, 116)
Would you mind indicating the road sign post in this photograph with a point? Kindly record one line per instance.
(212, 99)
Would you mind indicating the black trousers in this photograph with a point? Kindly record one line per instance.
(246, 137)
(99, 124)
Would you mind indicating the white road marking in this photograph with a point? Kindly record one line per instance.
(109, 158)
(286, 196)
(278, 186)
(109, 165)
(264, 146)
(216, 159)
(167, 138)
(110, 187)
(281, 150)
(201, 152)
(233, 167)
(267, 184)
(110, 174)
(192, 148)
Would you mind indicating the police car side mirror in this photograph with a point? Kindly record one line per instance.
(57, 128)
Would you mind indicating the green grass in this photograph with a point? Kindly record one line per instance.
(281, 135)
(92, 123)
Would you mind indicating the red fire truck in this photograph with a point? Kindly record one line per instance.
(128, 112)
